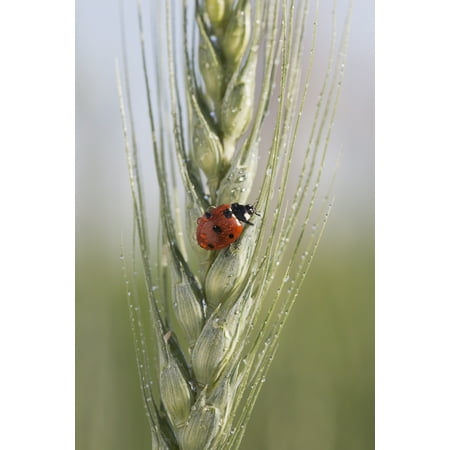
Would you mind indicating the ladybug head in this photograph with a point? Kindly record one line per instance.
(243, 212)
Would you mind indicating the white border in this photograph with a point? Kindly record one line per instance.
(37, 225)
(412, 226)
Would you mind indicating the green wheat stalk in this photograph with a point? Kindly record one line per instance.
(207, 327)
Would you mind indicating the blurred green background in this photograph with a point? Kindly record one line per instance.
(319, 394)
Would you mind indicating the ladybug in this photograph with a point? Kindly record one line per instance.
(221, 226)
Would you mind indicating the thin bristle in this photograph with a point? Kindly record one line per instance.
(212, 71)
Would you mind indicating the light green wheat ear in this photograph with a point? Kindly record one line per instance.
(207, 327)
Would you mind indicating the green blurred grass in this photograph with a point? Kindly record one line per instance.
(319, 394)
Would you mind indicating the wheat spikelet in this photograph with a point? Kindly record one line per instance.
(209, 325)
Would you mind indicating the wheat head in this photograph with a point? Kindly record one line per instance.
(207, 327)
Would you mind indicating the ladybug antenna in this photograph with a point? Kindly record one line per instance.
(252, 209)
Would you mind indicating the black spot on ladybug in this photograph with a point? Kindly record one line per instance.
(228, 213)
(210, 246)
(217, 229)
(208, 214)
(231, 236)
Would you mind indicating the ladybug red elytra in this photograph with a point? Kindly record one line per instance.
(221, 226)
